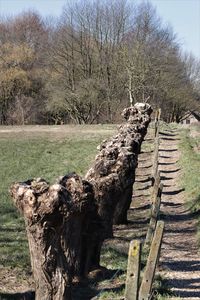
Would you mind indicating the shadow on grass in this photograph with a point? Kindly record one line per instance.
(140, 222)
(117, 289)
(174, 192)
(80, 291)
(164, 156)
(168, 150)
(167, 163)
(142, 174)
(167, 203)
(167, 134)
(185, 288)
(140, 195)
(146, 206)
(145, 167)
(143, 180)
(188, 215)
(143, 188)
(129, 238)
(12, 240)
(151, 151)
(18, 296)
(165, 178)
(169, 139)
(7, 229)
(170, 171)
(87, 293)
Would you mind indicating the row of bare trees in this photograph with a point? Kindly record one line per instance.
(86, 65)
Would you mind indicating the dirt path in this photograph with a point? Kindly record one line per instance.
(180, 261)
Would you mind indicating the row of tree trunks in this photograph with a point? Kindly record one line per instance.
(113, 172)
(67, 222)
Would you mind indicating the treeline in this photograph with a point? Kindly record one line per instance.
(90, 63)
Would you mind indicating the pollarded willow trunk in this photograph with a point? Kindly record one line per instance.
(56, 219)
(113, 172)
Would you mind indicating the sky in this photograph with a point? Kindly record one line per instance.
(182, 15)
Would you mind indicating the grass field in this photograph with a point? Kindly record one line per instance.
(38, 152)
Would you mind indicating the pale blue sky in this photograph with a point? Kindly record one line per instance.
(45, 7)
(183, 15)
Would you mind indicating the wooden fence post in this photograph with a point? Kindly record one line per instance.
(157, 121)
(154, 216)
(159, 114)
(155, 187)
(133, 271)
(147, 281)
(155, 160)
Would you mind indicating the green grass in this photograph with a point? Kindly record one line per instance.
(190, 164)
(113, 259)
(117, 261)
(39, 155)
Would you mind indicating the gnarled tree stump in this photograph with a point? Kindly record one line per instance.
(56, 220)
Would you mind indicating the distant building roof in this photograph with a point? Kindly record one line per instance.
(194, 113)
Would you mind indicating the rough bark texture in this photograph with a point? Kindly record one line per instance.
(67, 222)
(57, 220)
(113, 172)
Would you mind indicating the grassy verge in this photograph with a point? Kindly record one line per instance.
(190, 164)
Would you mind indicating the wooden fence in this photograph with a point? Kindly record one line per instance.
(152, 244)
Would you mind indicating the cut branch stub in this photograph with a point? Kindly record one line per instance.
(54, 217)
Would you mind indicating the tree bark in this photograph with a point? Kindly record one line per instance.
(113, 172)
(56, 219)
